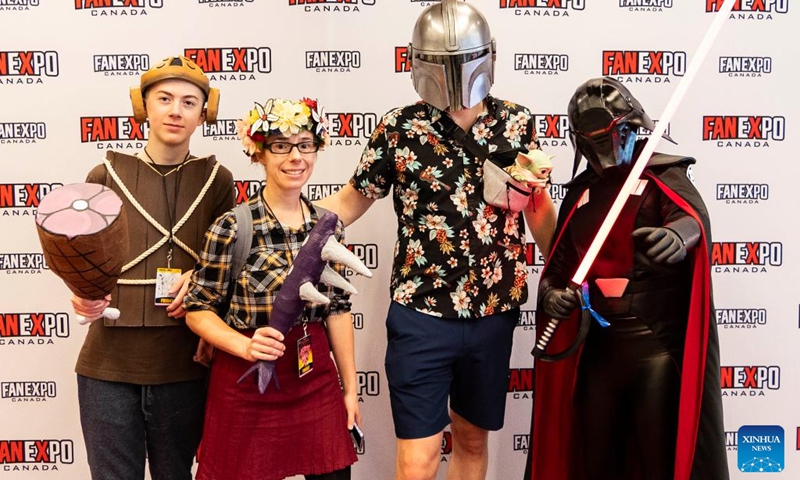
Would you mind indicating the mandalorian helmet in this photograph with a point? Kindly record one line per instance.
(452, 56)
(604, 118)
(180, 68)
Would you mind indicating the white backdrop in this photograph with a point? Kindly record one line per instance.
(65, 68)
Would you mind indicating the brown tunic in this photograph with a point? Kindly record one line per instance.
(145, 346)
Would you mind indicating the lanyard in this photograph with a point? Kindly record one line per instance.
(171, 209)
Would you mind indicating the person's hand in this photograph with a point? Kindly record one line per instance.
(353, 410)
(179, 289)
(664, 245)
(204, 353)
(266, 344)
(559, 303)
(90, 309)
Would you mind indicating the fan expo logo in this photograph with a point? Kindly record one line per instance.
(114, 132)
(533, 257)
(331, 5)
(520, 383)
(542, 8)
(19, 392)
(231, 64)
(447, 446)
(22, 132)
(121, 65)
(244, 189)
(366, 252)
(18, 5)
(743, 130)
(113, 8)
(541, 63)
(22, 263)
(223, 3)
(27, 67)
(645, 5)
(22, 199)
(745, 257)
(551, 129)
(644, 66)
(760, 448)
(368, 384)
(221, 130)
(745, 66)
(742, 193)
(332, 61)
(402, 64)
(349, 128)
(527, 319)
(741, 318)
(35, 455)
(522, 443)
(751, 9)
(33, 328)
(318, 191)
(749, 381)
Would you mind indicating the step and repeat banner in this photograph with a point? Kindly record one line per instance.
(66, 67)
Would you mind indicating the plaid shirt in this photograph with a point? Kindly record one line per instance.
(455, 255)
(257, 285)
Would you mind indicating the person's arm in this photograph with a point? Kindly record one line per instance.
(341, 337)
(348, 203)
(266, 344)
(540, 215)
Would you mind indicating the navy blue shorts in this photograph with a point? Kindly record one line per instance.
(430, 358)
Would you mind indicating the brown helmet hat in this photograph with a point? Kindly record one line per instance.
(180, 68)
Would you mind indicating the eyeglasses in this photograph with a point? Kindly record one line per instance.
(284, 148)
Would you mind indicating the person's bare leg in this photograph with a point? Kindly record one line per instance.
(470, 458)
(418, 458)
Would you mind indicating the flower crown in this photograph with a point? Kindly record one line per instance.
(278, 116)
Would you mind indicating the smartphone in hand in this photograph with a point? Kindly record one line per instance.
(358, 436)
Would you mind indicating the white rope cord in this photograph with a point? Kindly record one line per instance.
(158, 226)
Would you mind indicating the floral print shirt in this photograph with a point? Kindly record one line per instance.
(456, 256)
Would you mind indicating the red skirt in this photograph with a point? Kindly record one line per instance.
(300, 429)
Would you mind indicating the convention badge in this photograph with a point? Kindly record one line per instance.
(305, 358)
(165, 279)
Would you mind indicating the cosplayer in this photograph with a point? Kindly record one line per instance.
(641, 399)
(459, 274)
(141, 395)
(293, 417)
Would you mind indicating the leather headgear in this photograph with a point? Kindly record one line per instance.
(452, 55)
(180, 68)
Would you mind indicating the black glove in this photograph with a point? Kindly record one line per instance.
(665, 246)
(559, 303)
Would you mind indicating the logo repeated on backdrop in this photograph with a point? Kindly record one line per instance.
(742, 193)
(745, 257)
(366, 252)
(533, 257)
(402, 64)
(27, 391)
(349, 128)
(114, 8)
(368, 383)
(557, 192)
(244, 189)
(331, 5)
(336, 61)
(232, 64)
(121, 65)
(551, 129)
(541, 63)
(424, 3)
(743, 130)
(22, 199)
(35, 455)
(520, 383)
(40, 328)
(447, 446)
(358, 320)
(745, 66)
(22, 132)
(522, 443)
(318, 191)
(22, 263)
(224, 3)
(527, 319)
(730, 441)
(224, 129)
(643, 132)
(17, 5)
(749, 380)
(643, 66)
(760, 448)
(645, 5)
(27, 67)
(751, 9)
(114, 132)
(740, 318)
(542, 8)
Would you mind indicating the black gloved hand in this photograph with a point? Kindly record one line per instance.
(665, 246)
(559, 303)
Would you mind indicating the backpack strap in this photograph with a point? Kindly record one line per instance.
(241, 250)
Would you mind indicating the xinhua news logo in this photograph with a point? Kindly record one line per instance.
(761, 449)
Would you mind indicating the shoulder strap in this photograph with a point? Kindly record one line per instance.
(243, 240)
(463, 138)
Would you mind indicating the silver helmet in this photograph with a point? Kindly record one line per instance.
(452, 55)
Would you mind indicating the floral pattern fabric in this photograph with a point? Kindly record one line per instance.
(456, 256)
